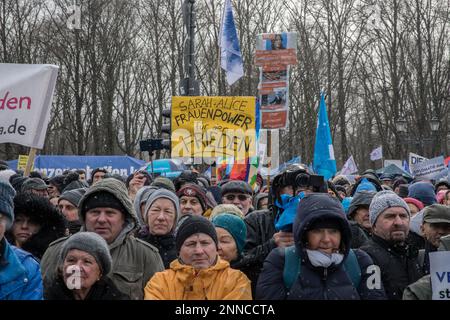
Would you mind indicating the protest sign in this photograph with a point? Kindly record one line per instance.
(22, 162)
(429, 169)
(440, 274)
(210, 127)
(26, 94)
(415, 159)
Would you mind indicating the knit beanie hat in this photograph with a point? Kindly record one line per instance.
(73, 196)
(235, 226)
(384, 200)
(102, 199)
(162, 182)
(7, 194)
(193, 190)
(193, 225)
(91, 243)
(226, 208)
(415, 202)
(158, 194)
(423, 191)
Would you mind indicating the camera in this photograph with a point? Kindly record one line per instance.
(311, 181)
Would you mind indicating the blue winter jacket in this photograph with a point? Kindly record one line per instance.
(20, 275)
(317, 283)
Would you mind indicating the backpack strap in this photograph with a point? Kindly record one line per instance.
(292, 266)
(352, 268)
(421, 257)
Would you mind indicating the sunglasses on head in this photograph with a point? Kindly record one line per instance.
(241, 197)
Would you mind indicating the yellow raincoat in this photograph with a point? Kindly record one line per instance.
(182, 282)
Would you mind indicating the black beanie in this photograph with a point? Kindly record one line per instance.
(193, 225)
(102, 199)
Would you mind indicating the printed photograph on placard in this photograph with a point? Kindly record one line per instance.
(275, 100)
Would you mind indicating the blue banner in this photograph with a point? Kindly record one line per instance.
(51, 166)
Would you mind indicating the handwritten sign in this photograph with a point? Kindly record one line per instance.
(209, 127)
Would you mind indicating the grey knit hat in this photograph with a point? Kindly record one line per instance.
(384, 200)
(73, 196)
(162, 193)
(91, 243)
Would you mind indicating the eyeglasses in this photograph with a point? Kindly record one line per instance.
(241, 197)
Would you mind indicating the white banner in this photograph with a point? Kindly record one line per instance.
(349, 167)
(440, 274)
(415, 159)
(376, 154)
(26, 94)
(429, 169)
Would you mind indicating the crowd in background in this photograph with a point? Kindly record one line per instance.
(195, 238)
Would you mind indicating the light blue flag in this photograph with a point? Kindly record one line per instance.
(230, 53)
(324, 162)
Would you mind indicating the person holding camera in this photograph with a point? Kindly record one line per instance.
(262, 236)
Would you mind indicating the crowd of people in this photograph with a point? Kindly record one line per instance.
(194, 238)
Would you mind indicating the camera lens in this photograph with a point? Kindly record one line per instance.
(302, 180)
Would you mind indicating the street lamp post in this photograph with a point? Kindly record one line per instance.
(402, 129)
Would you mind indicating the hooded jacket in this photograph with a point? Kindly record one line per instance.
(371, 178)
(317, 283)
(182, 282)
(20, 277)
(134, 261)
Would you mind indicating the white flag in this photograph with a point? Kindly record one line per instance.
(26, 95)
(376, 154)
(349, 167)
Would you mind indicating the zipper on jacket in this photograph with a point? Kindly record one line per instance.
(324, 279)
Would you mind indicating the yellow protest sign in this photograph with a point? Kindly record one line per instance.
(22, 162)
(208, 127)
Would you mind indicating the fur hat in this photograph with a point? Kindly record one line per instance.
(7, 194)
(384, 200)
(91, 243)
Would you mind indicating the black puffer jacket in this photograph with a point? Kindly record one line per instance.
(398, 264)
(103, 289)
(259, 243)
(316, 282)
(165, 245)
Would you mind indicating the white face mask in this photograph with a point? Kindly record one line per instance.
(322, 259)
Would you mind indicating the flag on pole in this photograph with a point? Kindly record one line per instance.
(377, 153)
(230, 53)
(324, 162)
(349, 167)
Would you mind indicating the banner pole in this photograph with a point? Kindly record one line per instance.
(30, 162)
(269, 156)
